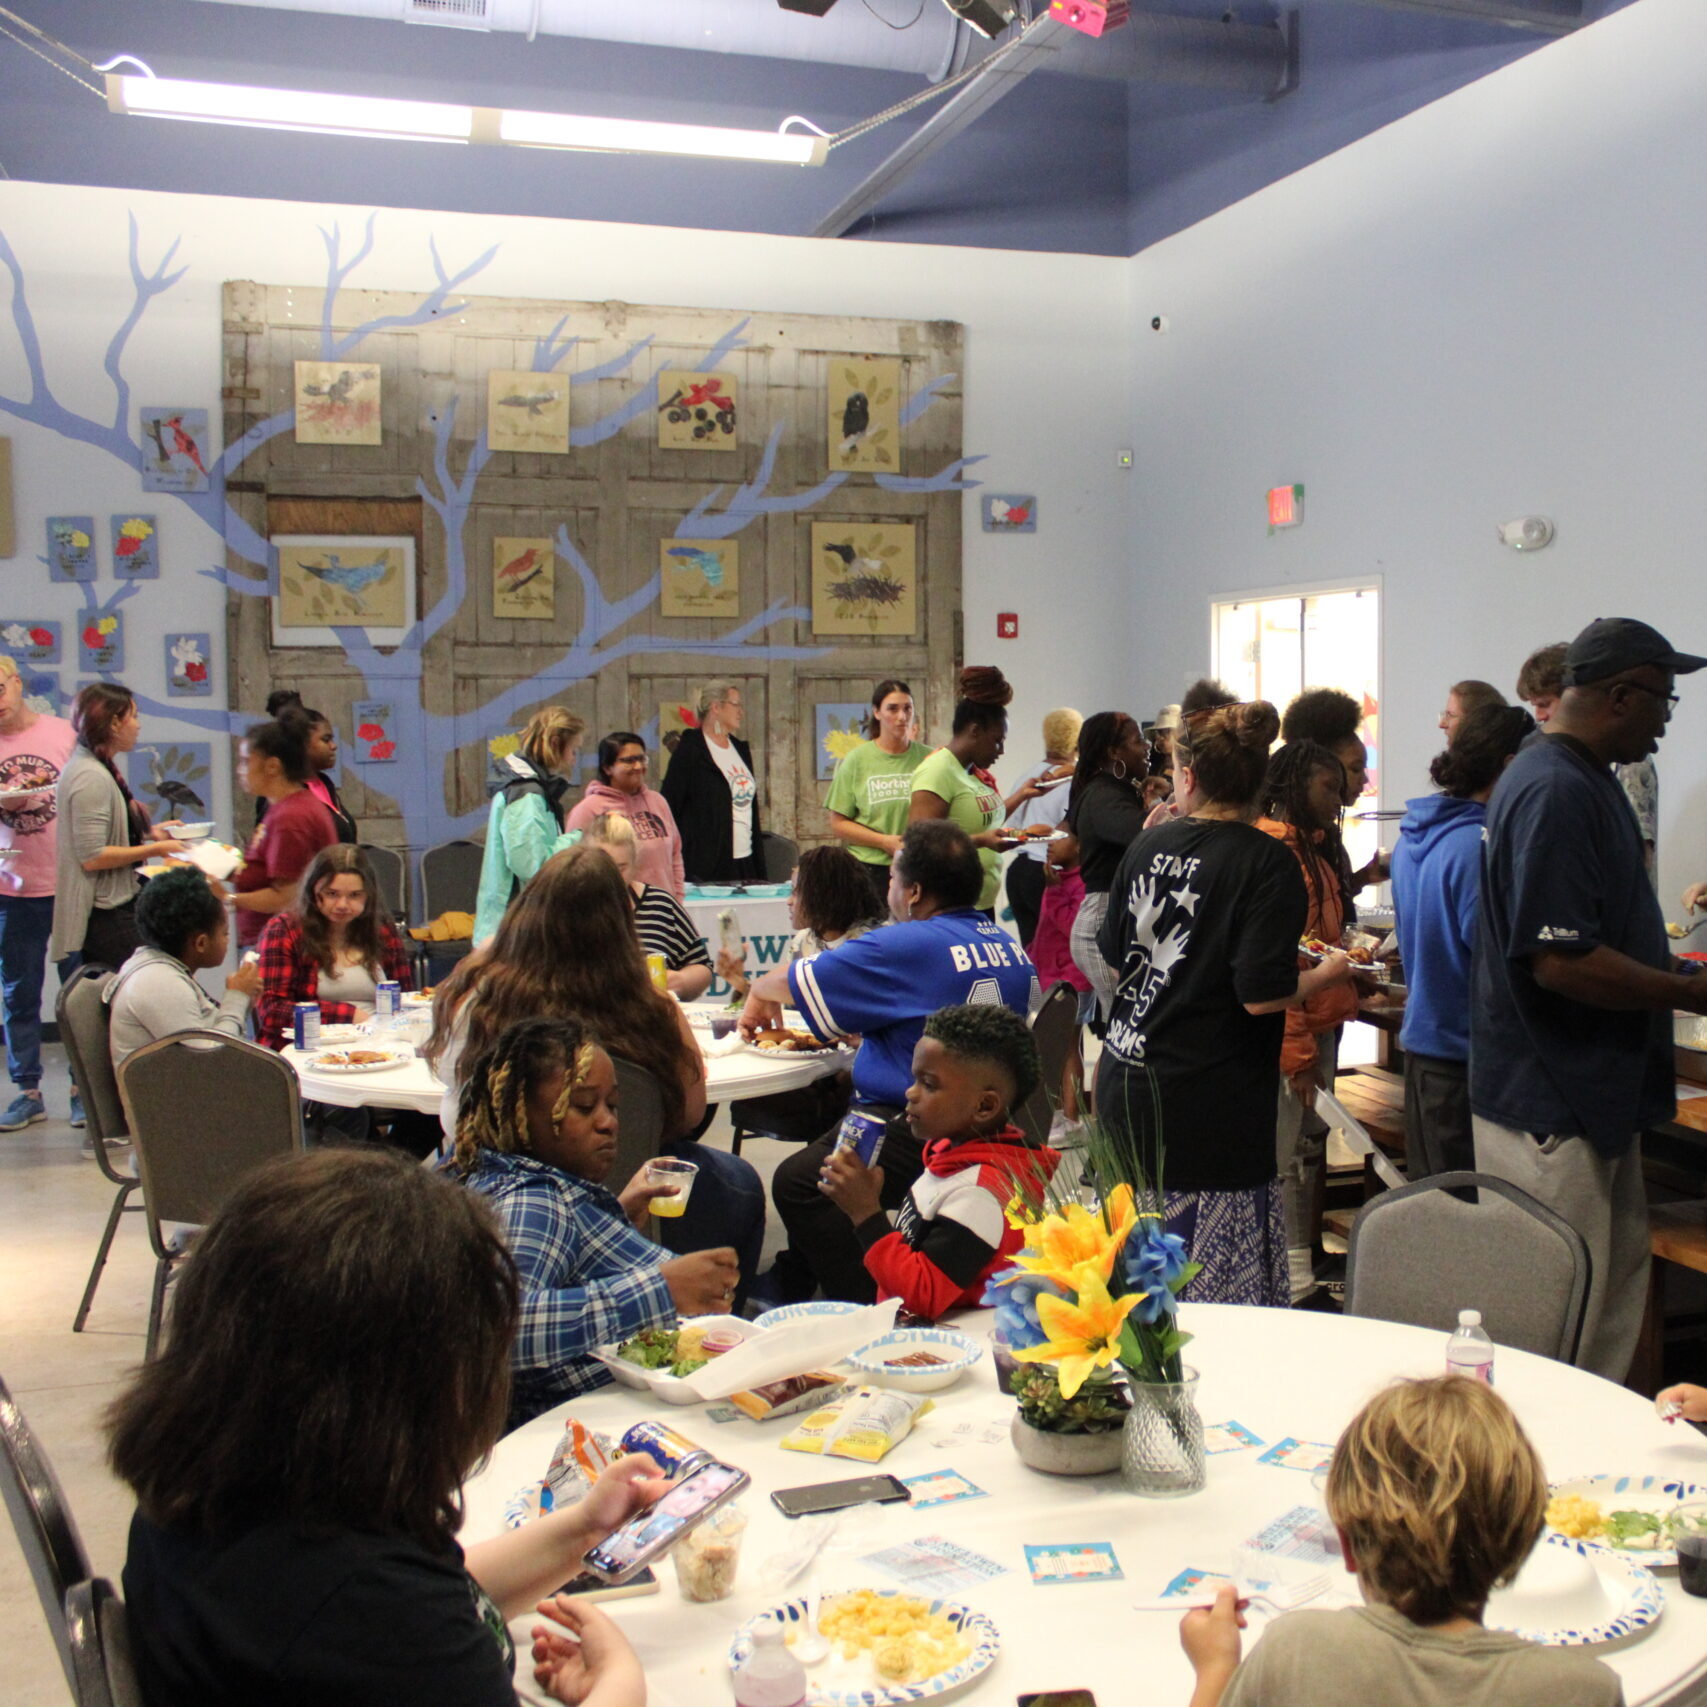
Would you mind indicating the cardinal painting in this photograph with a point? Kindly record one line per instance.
(175, 456)
(524, 579)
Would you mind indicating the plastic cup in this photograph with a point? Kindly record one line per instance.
(708, 1556)
(1691, 1524)
(723, 1024)
(678, 1175)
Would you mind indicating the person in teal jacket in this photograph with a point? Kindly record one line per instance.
(526, 825)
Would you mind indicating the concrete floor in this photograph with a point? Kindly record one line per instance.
(53, 1203)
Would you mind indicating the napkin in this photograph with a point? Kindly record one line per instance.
(215, 859)
(793, 1348)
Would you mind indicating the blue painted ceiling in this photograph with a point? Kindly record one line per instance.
(1064, 163)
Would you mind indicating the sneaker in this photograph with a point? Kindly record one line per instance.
(26, 1110)
(76, 1115)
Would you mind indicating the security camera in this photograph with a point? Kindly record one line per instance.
(1158, 322)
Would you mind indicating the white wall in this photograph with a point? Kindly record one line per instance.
(1046, 390)
(1492, 307)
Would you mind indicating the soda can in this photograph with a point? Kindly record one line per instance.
(861, 1130)
(674, 1453)
(387, 998)
(658, 969)
(306, 1016)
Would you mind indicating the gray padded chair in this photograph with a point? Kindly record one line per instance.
(204, 1112)
(47, 1536)
(1423, 1252)
(781, 856)
(99, 1635)
(389, 871)
(84, 1021)
(640, 1119)
(1052, 1028)
(450, 883)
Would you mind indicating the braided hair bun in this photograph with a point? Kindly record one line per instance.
(984, 684)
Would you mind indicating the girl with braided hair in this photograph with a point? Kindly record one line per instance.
(536, 1135)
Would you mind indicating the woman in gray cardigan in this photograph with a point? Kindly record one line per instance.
(104, 835)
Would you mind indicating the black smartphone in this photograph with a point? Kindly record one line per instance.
(588, 1587)
(1059, 1698)
(837, 1496)
(681, 1507)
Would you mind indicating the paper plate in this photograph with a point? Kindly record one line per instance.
(799, 1312)
(1628, 1493)
(1632, 1600)
(958, 1352)
(836, 1682)
(394, 1057)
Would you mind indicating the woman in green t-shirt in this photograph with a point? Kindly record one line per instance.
(955, 781)
(873, 788)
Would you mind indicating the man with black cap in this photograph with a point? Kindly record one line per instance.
(1573, 982)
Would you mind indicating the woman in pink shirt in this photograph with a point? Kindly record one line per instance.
(621, 787)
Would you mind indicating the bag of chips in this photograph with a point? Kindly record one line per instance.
(863, 1423)
(784, 1398)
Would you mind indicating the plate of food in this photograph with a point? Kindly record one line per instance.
(660, 1359)
(418, 998)
(802, 1312)
(887, 1647)
(193, 832)
(366, 1058)
(1629, 1515)
(917, 1360)
(790, 1040)
(1568, 1596)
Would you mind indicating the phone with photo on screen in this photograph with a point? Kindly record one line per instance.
(657, 1529)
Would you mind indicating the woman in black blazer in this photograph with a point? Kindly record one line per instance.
(714, 792)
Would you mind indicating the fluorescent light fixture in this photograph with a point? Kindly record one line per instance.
(289, 109)
(429, 121)
(641, 136)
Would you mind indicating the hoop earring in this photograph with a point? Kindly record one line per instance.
(1120, 770)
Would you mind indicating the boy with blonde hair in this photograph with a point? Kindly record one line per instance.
(1438, 1496)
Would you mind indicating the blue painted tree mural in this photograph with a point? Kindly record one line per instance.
(395, 675)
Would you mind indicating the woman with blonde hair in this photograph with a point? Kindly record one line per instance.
(1202, 928)
(1040, 803)
(526, 827)
(713, 790)
(662, 923)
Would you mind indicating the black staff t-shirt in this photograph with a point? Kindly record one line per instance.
(1203, 916)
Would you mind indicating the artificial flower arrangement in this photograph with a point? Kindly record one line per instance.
(1092, 1288)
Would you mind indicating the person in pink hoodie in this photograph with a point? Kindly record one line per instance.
(621, 787)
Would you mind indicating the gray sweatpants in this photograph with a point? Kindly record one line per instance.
(1606, 1201)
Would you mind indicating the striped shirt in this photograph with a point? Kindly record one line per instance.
(665, 927)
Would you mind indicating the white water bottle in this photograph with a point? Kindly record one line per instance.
(1470, 1352)
(772, 1676)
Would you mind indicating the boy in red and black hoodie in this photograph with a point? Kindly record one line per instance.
(971, 1066)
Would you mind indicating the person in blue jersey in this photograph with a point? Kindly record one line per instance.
(939, 952)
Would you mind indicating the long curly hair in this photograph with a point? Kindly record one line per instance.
(492, 1109)
(364, 934)
(1286, 796)
(567, 949)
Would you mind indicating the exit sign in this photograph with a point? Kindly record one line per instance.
(1285, 507)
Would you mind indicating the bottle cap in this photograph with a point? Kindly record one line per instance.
(1469, 1318)
(766, 1633)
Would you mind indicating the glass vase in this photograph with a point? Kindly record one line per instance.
(1161, 1453)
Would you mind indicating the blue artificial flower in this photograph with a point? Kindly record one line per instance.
(1014, 1294)
(1157, 1263)
(1156, 1302)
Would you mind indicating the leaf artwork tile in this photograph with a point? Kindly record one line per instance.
(864, 420)
(864, 578)
(338, 403)
(136, 547)
(699, 577)
(344, 581)
(524, 579)
(373, 726)
(174, 450)
(71, 548)
(189, 666)
(527, 412)
(840, 727)
(696, 411)
(100, 642)
(31, 641)
(173, 781)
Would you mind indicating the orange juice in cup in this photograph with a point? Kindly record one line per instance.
(659, 972)
(666, 1170)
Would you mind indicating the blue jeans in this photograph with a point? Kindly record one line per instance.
(727, 1207)
(26, 923)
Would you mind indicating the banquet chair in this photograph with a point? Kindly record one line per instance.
(1052, 1029)
(99, 1634)
(47, 1536)
(450, 883)
(1422, 1252)
(204, 1112)
(84, 1019)
(390, 872)
(781, 856)
(640, 1120)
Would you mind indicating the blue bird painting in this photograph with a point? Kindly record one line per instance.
(352, 578)
(708, 563)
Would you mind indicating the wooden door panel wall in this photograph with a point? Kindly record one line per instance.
(630, 626)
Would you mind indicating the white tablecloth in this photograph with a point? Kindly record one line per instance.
(1279, 1373)
(764, 923)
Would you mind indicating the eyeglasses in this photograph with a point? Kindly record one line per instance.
(1671, 699)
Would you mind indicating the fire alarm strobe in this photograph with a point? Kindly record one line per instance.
(1007, 625)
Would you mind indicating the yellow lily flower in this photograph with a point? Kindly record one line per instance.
(1083, 1336)
(1076, 1238)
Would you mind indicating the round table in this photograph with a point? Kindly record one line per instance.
(1279, 1372)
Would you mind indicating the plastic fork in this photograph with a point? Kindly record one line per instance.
(1678, 933)
(1278, 1597)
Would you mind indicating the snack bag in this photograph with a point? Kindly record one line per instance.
(784, 1398)
(575, 1464)
(864, 1424)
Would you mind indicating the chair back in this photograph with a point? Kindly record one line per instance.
(780, 855)
(85, 1028)
(205, 1111)
(450, 878)
(99, 1634)
(1052, 1029)
(1420, 1253)
(46, 1534)
(640, 1119)
(390, 873)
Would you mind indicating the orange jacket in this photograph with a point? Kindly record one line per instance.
(1326, 921)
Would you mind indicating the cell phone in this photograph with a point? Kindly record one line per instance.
(838, 1496)
(657, 1529)
(588, 1587)
(1059, 1698)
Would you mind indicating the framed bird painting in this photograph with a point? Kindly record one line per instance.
(174, 450)
(864, 578)
(332, 581)
(527, 412)
(699, 577)
(524, 579)
(696, 411)
(337, 403)
(864, 425)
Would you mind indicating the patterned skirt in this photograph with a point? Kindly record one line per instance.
(1240, 1238)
